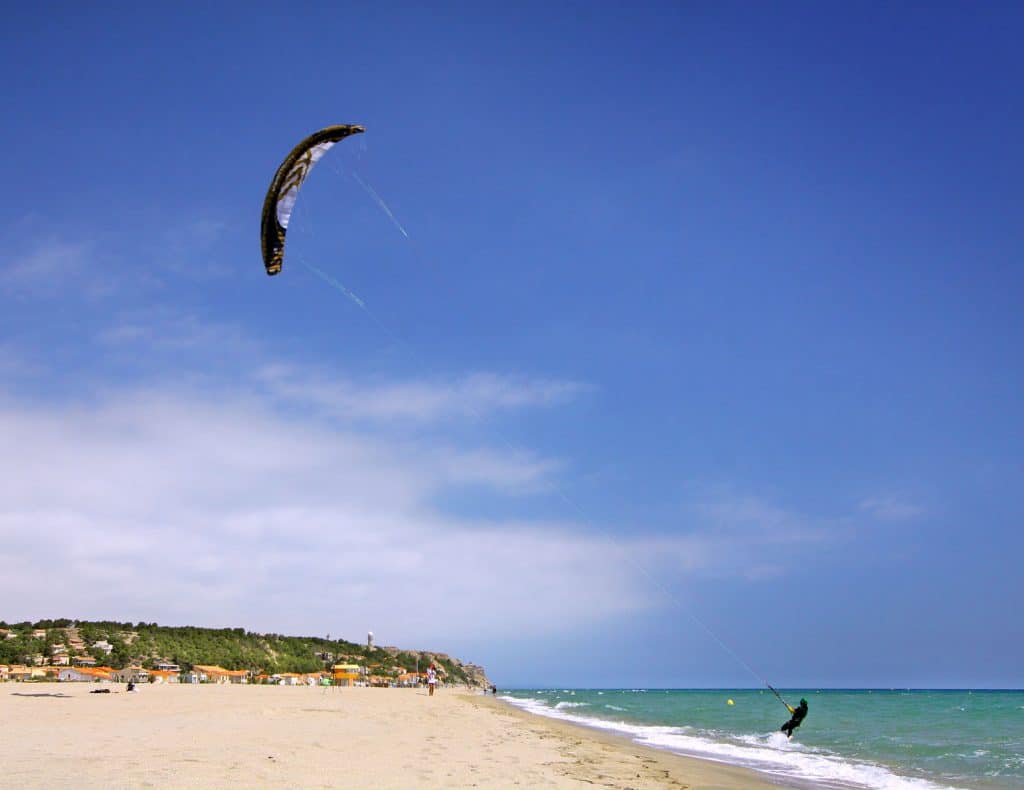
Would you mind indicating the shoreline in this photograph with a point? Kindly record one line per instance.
(677, 768)
(270, 736)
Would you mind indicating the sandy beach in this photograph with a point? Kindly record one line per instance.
(61, 735)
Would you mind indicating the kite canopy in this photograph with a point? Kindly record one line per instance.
(284, 189)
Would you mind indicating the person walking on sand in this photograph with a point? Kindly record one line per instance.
(431, 680)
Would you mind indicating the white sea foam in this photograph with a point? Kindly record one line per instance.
(772, 753)
(563, 705)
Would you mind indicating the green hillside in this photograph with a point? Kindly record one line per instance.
(232, 648)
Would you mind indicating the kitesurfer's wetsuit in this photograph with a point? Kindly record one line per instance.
(798, 716)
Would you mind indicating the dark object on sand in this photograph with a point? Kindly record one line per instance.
(100, 691)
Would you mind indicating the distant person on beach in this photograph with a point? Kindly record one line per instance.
(494, 690)
(799, 712)
(431, 680)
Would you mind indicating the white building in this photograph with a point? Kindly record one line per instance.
(83, 675)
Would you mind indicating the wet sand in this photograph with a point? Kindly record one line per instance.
(60, 735)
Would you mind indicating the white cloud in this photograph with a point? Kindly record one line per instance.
(892, 507)
(46, 268)
(745, 518)
(469, 396)
(219, 509)
(184, 250)
(167, 330)
(183, 508)
(13, 363)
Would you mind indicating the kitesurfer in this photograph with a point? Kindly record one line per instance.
(799, 712)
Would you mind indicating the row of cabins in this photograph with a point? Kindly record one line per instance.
(162, 673)
(343, 675)
(340, 675)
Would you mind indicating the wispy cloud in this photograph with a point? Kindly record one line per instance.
(47, 268)
(471, 395)
(727, 513)
(892, 507)
(184, 249)
(161, 329)
(13, 364)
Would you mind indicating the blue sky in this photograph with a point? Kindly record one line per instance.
(685, 309)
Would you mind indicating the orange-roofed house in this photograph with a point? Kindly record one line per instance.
(19, 672)
(215, 674)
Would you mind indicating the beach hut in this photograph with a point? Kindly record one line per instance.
(345, 674)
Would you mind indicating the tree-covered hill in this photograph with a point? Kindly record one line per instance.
(119, 644)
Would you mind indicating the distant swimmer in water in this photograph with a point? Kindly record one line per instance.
(799, 712)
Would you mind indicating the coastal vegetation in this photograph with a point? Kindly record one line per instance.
(117, 645)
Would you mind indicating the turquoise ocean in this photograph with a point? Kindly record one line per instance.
(850, 739)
